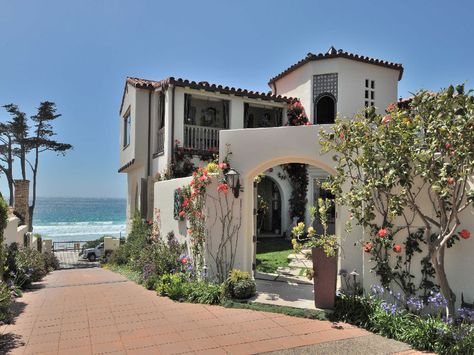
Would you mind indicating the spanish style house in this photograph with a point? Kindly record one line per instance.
(158, 117)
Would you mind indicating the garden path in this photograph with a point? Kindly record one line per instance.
(95, 311)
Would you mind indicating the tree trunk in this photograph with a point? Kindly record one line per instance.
(10, 188)
(437, 259)
(33, 201)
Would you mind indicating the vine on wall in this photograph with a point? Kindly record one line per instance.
(383, 248)
(193, 198)
(297, 173)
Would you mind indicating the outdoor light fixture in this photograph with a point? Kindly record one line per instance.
(232, 179)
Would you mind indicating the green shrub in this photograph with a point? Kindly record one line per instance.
(151, 282)
(244, 289)
(203, 292)
(51, 261)
(118, 257)
(238, 285)
(172, 285)
(30, 267)
(5, 301)
(138, 239)
(428, 332)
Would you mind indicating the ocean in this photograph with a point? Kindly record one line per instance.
(78, 219)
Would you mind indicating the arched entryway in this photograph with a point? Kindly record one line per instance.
(325, 109)
(269, 207)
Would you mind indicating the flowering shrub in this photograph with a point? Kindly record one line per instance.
(383, 160)
(193, 205)
(296, 115)
(410, 320)
(325, 241)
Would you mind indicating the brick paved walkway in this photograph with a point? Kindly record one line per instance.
(85, 311)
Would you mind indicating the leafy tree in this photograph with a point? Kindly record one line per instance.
(42, 141)
(395, 169)
(19, 129)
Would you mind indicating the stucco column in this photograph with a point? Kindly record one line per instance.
(21, 201)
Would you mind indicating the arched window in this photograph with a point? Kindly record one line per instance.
(325, 110)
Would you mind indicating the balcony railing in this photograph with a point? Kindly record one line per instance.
(201, 138)
(160, 145)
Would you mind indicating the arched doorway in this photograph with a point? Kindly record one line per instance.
(325, 109)
(269, 208)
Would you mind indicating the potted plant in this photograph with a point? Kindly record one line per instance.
(324, 249)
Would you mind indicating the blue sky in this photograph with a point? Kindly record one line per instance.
(78, 54)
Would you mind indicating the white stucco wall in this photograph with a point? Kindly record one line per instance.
(458, 259)
(351, 84)
(277, 146)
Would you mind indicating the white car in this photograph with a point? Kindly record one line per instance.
(92, 254)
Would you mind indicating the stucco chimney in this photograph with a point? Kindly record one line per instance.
(21, 203)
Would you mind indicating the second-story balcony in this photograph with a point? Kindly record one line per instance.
(201, 138)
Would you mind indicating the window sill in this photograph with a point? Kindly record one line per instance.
(158, 154)
(126, 146)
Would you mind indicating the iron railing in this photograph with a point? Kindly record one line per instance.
(160, 148)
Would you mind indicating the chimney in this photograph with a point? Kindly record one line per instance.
(21, 203)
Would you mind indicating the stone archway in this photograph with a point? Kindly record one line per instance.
(256, 150)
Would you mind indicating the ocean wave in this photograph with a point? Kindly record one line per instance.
(77, 229)
(82, 223)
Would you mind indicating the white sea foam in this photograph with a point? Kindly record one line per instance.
(79, 230)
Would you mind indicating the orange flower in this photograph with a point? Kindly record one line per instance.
(190, 231)
(465, 234)
(223, 187)
(450, 181)
(386, 119)
(382, 233)
(182, 214)
(397, 248)
(368, 247)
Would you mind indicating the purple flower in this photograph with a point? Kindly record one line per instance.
(437, 300)
(466, 314)
(415, 303)
(389, 308)
(377, 290)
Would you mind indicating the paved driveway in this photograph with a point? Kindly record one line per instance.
(85, 311)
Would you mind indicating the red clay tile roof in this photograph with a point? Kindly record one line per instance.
(334, 53)
(204, 85)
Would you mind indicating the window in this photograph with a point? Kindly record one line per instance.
(160, 126)
(369, 92)
(262, 116)
(127, 127)
(325, 110)
(206, 111)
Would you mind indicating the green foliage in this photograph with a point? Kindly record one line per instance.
(420, 150)
(3, 225)
(309, 238)
(173, 286)
(137, 240)
(430, 333)
(238, 285)
(126, 271)
(5, 301)
(30, 267)
(203, 292)
(179, 288)
(51, 261)
(290, 311)
(160, 258)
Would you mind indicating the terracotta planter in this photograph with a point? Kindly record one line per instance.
(325, 277)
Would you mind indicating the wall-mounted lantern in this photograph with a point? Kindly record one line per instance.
(232, 179)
